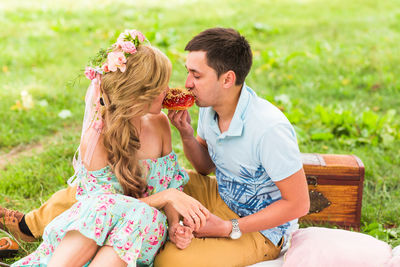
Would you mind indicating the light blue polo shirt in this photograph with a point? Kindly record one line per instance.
(259, 148)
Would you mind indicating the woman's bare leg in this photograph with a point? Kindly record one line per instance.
(74, 249)
(106, 256)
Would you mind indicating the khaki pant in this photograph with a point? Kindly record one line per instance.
(248, 249)
(59, 202)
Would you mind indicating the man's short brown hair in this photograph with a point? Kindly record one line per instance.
(225, 50)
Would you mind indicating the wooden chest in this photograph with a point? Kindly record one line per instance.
(335, 185)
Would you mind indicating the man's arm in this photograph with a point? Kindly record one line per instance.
(295, 203)
(196, 152)
(195, 149)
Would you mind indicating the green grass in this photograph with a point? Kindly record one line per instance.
(330, 66)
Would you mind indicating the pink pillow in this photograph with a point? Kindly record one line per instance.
(395, 261)
(317, 246)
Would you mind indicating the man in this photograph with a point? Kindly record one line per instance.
(252, 148)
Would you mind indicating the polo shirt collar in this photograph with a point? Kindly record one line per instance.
(237, 122)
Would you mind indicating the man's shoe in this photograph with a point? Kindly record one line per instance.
(8, 247)
(9, 220)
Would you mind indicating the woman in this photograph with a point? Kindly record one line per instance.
(125, 137)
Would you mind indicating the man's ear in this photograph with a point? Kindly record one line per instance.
(228, 79)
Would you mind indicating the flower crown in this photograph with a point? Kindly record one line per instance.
(114, 57)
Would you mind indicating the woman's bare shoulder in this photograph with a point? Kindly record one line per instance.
(161, 123)
(160, 120)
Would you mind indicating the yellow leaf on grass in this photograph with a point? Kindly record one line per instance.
(345, 81)
(17, 106)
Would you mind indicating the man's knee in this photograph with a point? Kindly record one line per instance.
(60, 201)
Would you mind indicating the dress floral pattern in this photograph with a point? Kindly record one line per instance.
(135, 230)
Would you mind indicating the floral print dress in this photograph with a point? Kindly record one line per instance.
(135, 230)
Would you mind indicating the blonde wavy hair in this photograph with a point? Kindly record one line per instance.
(128, 95)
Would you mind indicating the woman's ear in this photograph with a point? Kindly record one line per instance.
(228, 79)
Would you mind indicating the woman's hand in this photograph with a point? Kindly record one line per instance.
(193, 212)
(180, 235)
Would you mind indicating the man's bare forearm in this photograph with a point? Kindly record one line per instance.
(272, 216)
(295, 203)
(195, 149)
(198, 155)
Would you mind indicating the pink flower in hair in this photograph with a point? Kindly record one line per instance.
(90, 73)
(105, 68)
(116, 60)
(128, 47)
(137, 33)
(133, 33)
(123, 36)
